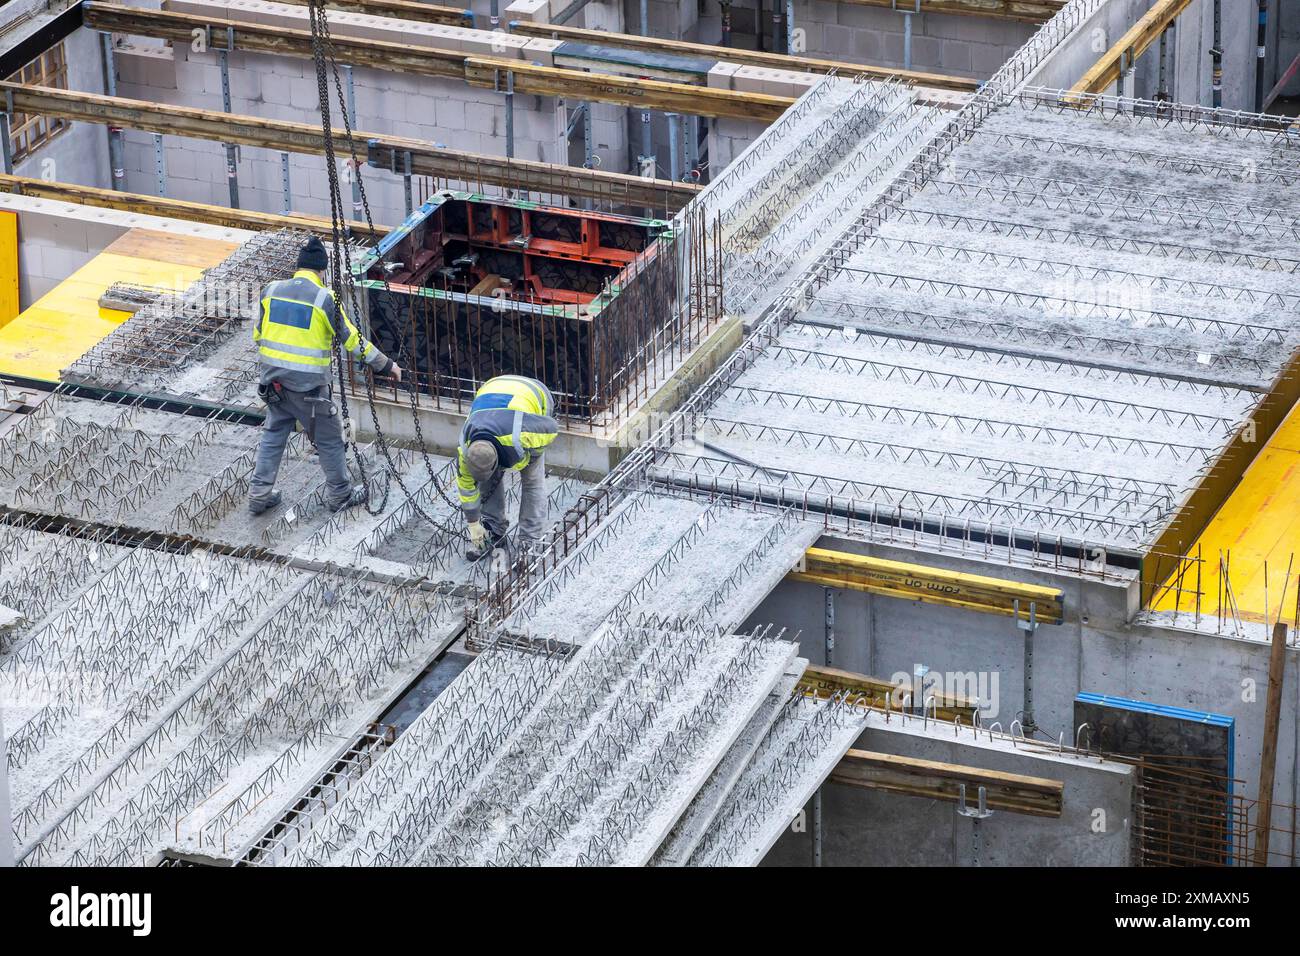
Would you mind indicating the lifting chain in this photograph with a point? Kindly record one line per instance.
(323, 55)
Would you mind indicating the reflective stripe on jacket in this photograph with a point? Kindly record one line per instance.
(516, 414)
(295, 329)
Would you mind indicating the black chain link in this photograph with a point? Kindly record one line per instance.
(323, 55)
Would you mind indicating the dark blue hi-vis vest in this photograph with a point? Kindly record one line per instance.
(517, 415)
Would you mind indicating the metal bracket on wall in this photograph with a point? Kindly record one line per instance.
(232, 151)
(1029, 625)
(975, 814)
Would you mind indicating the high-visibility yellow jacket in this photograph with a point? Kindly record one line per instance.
(517, 415)
(295, 330)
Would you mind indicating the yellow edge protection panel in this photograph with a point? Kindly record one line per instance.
(930, 585)
(1260, 522)
(8, 267)
(64, 323)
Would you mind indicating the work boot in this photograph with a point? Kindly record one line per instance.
(357, 496)
(264, 503)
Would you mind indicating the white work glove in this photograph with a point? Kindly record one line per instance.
(396, 372)
(349, 431)
(477, 534)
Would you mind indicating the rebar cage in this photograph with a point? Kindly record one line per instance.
(598, 306)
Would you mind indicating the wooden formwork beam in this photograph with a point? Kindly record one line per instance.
(260, 38)
(775, 61)
(828, 681)
(930, 585)
(448, 64)
(934, 780)
(290, 137)
(400, 10)
(172, 208)
(1121, 57)
(1025, 11)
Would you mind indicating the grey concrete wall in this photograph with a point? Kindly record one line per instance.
(1188, 63)
(1095, 650)
(443, 112)
(80, 153)
(865, 827)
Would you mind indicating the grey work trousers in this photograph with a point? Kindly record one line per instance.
(533, 505)
(324, 427)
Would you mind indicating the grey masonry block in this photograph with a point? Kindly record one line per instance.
(450, 113)
(925, 52)
(986, 59)
(865, 18)
(956, 56)
(867, 46)
(181, 162)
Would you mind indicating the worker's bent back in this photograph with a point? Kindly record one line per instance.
(515, 392)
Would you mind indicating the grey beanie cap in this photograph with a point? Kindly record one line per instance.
(481, 457)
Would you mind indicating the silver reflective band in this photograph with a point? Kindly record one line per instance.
(295, 366)
(516, 431)
(295, 349)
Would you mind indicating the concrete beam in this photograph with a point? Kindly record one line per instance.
(399, 10)
(448, 64)
(777, 61)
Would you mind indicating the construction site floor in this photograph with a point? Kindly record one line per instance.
(1257, 533)
(65, 322)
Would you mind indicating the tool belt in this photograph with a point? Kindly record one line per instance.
(272, 394)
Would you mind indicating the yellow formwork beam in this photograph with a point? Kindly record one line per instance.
(824, 681)
(930, 585)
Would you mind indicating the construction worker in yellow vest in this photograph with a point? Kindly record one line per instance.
(294, 334)
(510, 423)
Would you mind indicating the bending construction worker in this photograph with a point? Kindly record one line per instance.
(293, 334)
(509, 426)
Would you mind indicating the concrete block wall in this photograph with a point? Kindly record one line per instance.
(441, 111)
(1096, 649)
(867, 827)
